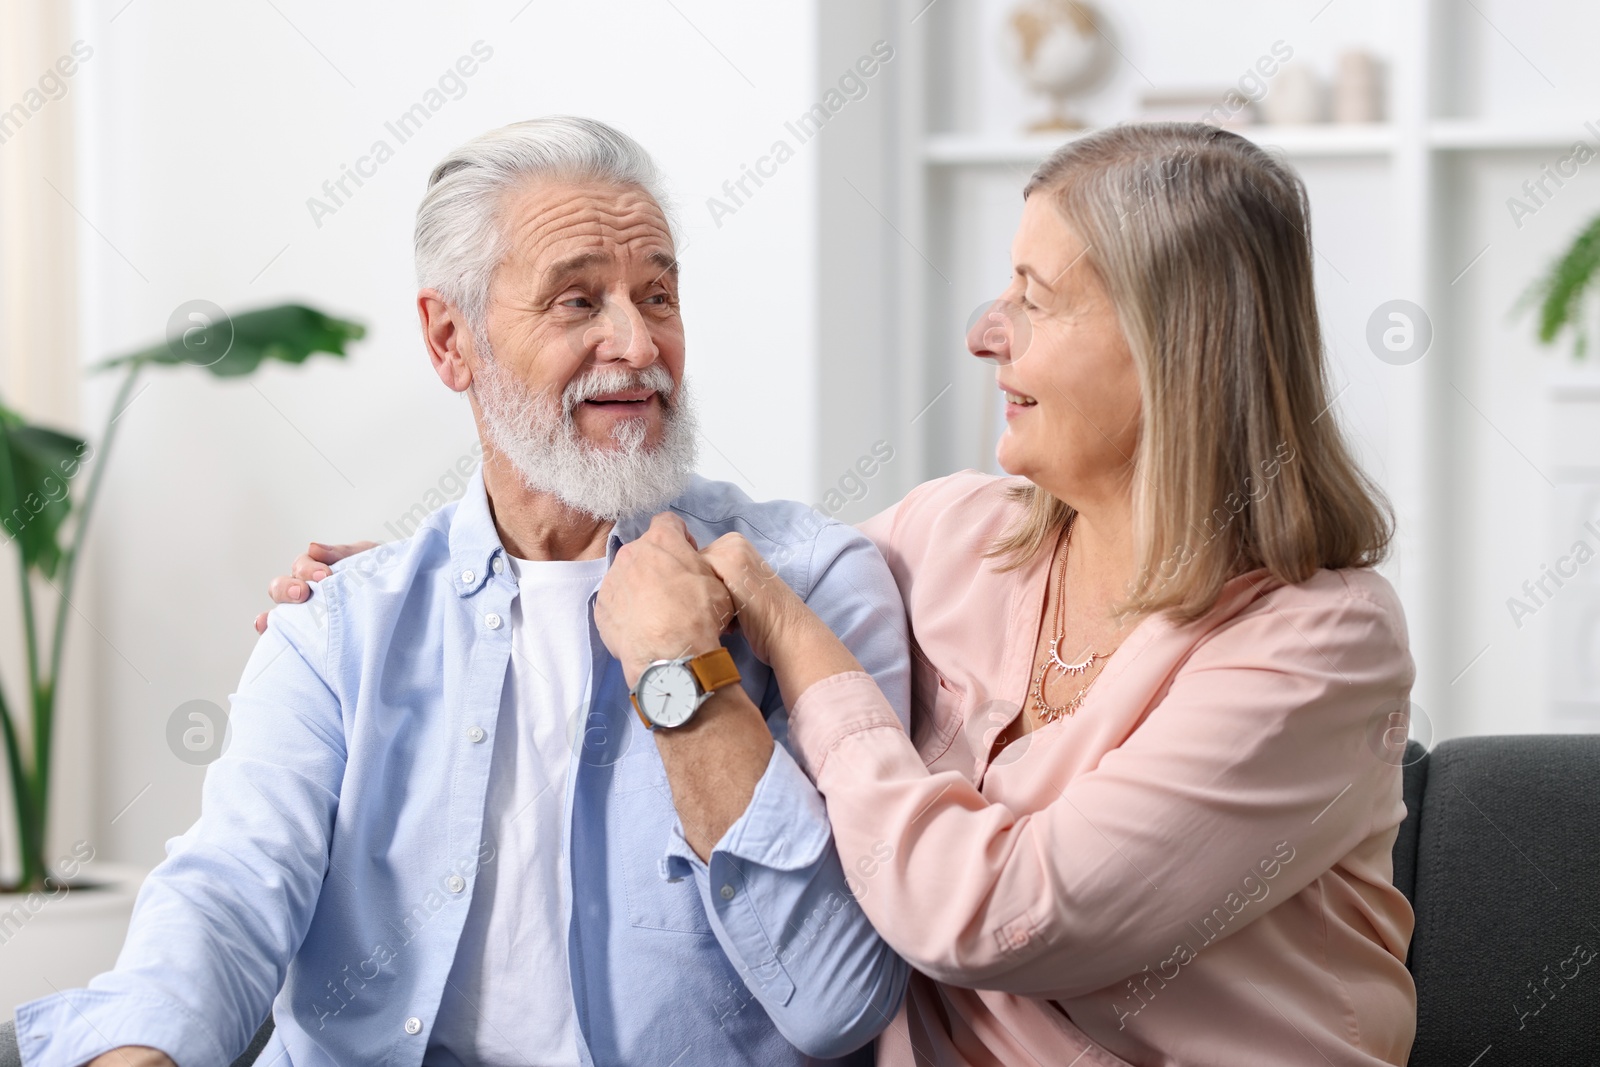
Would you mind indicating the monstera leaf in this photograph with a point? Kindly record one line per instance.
(233, 346)
(36, 500)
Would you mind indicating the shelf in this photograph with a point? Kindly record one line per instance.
(1300, 141)
(1466, 135)
(1576, 382)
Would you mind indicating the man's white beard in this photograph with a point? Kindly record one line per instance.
(540, 437)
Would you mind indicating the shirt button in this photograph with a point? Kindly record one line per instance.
(475, 735)
(413, 1025)
(499, 565)
(467, 577)
(727, 892)
(492, 621)
(456, 883)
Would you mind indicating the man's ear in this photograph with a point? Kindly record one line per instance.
(449, 340)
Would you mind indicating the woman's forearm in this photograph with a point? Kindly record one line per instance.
(804, 651)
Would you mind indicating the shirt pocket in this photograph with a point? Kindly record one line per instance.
(644, 822)
(936, 708)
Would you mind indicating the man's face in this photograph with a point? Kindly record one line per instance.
(578, 384)
(590, 284)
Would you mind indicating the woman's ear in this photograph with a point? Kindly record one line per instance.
(449, 340)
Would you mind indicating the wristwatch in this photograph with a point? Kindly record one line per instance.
(670, 691)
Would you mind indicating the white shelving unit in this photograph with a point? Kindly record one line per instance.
(1407, 176)
(961, 150)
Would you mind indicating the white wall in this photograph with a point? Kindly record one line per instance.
(206, 129)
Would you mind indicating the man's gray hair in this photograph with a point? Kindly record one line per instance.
(459, 237)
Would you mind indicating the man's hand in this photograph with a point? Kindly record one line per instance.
(132, 1056)
(312, 565)
(660, 600)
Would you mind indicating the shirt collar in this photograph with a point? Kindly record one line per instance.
(628, 528)
(632, 527)
(474, 541)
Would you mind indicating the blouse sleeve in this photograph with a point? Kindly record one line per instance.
(1250, 778)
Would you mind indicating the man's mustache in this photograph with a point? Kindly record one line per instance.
(600, 382)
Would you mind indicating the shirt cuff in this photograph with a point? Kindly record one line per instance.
(833, 709)
(73, 1027)
(784, 827)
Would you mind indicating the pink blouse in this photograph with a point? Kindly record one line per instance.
(1193, 869)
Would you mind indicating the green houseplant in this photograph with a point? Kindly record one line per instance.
(1562, 294)
(47, 520)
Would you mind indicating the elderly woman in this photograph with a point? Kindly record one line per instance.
(1139, 818)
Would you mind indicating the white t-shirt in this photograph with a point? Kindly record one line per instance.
(508, 1000)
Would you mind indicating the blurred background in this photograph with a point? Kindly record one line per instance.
(159, 153)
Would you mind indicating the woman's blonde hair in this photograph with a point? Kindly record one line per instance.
(1203, 243)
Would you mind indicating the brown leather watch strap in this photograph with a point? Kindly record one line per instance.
(714, 669)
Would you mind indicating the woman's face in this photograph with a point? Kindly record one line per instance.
(1072, 392)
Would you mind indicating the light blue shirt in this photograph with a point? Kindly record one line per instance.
(341, 835)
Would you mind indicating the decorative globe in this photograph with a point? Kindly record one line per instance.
(1060, 49)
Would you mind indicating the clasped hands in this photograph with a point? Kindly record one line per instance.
(664, 597)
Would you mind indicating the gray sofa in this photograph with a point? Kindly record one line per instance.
(1500, 857)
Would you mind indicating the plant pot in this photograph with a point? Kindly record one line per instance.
(54, 942)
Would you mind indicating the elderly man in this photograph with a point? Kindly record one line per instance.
(452, 827)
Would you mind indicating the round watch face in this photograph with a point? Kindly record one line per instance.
(668, 694)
